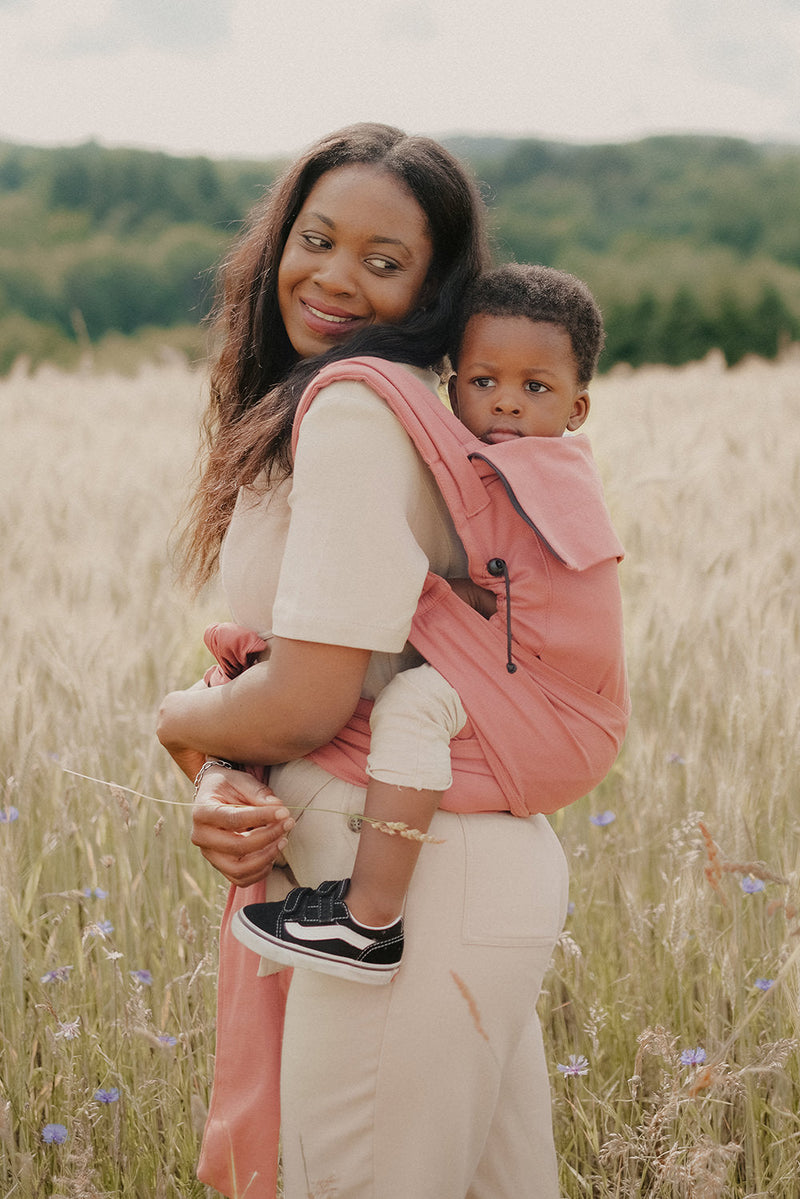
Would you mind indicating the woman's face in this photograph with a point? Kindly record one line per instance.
(358, 254)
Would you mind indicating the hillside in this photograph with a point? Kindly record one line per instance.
(688, 242)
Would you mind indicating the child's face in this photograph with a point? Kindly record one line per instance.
(517, 378)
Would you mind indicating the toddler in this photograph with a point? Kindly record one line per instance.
(527, 346)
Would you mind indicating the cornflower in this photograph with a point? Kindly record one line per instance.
(693, 1057)
(765, 984)
(9, 815)
(750, 884)
(603, 818)
(101, 928)
(54, 1134)
(578, 1064)
(142, 976)
(107, 1096)
(59, 974)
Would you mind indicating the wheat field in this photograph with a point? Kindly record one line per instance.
(671, 1009)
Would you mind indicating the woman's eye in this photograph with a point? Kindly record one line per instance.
(316, 241)
(386, 265)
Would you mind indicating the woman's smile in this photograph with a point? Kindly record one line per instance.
(357, 254)
(329, 322)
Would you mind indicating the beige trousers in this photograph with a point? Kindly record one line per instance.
(434, 1087)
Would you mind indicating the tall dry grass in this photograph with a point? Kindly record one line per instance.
(107, 915)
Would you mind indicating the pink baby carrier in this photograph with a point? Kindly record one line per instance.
(543, 682)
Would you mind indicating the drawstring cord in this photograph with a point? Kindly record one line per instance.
(496, 568)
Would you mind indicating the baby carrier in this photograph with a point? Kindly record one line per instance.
(543, 681)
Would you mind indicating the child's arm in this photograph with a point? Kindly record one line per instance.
(479, 598)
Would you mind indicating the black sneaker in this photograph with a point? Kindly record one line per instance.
(313, 928)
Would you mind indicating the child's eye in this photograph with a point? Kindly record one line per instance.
(483, 382)
(536, 388)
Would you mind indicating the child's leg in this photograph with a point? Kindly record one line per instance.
(385, 862)
(352, 928)
(413, 721)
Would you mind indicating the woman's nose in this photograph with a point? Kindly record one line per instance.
(334, 274)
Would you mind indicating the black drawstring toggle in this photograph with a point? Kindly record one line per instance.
(497, 567)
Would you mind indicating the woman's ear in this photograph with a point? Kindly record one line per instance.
(452, 392)
(580, 410)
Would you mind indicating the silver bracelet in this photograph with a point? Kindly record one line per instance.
(209, 762)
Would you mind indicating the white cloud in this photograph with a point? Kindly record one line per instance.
(257, 77)
(756, 41)
(174, 27)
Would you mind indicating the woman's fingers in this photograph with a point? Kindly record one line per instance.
(241, 873)
(241, 858)
(237, 843)
(240, 818)
(236, 801)
(238, 825)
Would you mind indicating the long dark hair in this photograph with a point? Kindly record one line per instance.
(256, 378)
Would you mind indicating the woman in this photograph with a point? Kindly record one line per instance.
(434, 1087)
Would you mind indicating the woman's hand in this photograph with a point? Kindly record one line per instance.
(238, 825)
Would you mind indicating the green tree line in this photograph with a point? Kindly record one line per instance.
(690, 243)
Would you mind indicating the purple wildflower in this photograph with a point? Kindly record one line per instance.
(765, 984)
(59, 974)
(9, 815)
(578, 1065)
(167, 1041)
(54, 1134)
(102, 928)
(571, 908)
(693, 1057)
(750, 884)
(97, 892)
(142, 976)
(107, 1096)
(603, 818)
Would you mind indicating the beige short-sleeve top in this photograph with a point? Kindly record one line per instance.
(338, 553)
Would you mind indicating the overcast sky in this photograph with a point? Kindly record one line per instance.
(260, 77)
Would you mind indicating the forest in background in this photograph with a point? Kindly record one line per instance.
(690, 243)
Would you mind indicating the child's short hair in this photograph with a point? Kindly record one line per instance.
(539, 293)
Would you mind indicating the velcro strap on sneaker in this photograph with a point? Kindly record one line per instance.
(322, 904)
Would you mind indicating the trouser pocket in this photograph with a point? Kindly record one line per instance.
(516, 881)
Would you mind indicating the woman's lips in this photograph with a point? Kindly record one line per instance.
(329, 322)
